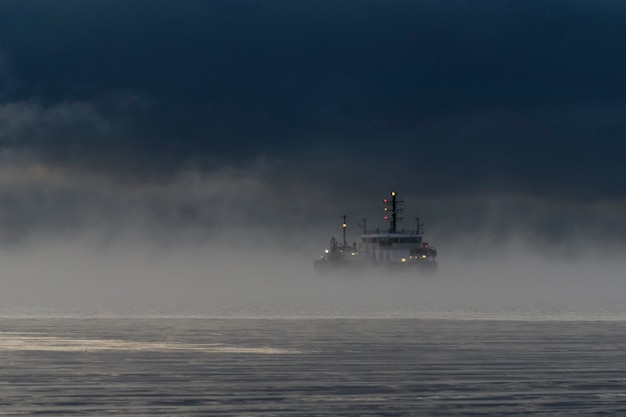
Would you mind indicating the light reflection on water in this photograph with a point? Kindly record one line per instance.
(17, 341)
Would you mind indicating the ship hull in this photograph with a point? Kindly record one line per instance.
(324, 267)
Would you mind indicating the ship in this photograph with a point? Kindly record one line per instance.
(393, 250)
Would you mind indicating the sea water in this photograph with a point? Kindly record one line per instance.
(136, 366)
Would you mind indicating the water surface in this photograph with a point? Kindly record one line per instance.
(290, 367)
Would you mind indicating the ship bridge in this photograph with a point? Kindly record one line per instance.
(390, 239)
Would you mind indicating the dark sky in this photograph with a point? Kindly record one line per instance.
(454, 102)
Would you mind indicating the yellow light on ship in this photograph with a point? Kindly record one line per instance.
(393, 193)
(423, 256)
(403, 259)
(344, 225)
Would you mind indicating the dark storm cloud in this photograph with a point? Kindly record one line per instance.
(510, 108)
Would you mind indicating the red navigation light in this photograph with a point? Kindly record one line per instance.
(386, 217)
(385, 201)
(425, 245)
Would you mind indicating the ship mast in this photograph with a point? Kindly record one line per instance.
(393, 207)
(418, 225)
(344, 225)
(364, 225)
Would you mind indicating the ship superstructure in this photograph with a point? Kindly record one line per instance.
(394, 249)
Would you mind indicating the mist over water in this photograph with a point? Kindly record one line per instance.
(81, 277)
(240, 241)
